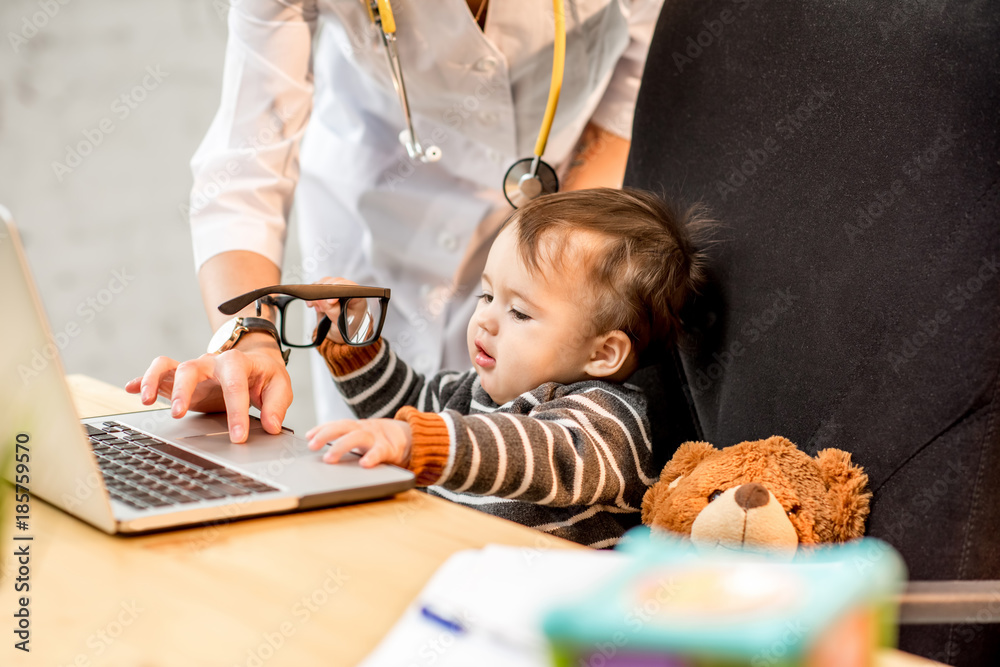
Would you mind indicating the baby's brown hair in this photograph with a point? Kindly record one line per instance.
(646, 267)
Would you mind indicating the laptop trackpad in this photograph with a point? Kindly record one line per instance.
(260, 446)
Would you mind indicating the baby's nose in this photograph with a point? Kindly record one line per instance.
(486, 322)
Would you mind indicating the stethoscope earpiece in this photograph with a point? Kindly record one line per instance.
(418, 152)
(525, 181)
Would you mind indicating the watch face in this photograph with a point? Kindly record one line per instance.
(222, 335)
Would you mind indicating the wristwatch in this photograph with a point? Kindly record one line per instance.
(229, 334)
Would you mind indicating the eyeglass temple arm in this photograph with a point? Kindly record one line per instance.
(307, 292)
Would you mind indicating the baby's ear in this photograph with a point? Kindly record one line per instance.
(849, 492)
(611, 351)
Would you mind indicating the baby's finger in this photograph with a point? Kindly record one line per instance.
(380, 453)
(324, 433)
(359, 439)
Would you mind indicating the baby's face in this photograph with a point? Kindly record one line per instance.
(529, 329)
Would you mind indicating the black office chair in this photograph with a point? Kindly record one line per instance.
(851, 151)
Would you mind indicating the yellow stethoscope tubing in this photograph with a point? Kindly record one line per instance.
(385, 13)
(558, 67)
(387, 22)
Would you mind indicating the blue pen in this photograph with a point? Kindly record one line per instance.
(449, 624)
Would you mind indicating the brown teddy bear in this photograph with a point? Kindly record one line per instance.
(766, 495)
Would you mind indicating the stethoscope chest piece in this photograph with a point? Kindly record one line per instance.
(526, 181)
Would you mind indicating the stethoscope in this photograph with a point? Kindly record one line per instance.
(526, 179)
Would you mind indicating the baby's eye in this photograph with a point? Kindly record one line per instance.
(486, 298)
(519, 316)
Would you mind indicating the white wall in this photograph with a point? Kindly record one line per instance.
(118, 210)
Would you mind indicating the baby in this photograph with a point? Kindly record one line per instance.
(543, 429)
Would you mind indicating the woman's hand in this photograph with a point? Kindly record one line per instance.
(331, 308)
(382, 440)
(252, 373)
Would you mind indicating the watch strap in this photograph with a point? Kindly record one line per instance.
(267, 326)
(245, 325)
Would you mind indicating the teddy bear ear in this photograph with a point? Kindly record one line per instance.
(849, 492)
(685, 459)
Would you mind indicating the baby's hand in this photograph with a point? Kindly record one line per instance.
(331, 308)
(382, 440)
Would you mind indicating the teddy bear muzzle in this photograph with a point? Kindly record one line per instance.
(745, 518)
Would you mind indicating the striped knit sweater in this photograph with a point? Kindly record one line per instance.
(570, 460)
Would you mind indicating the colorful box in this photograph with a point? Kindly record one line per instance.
(677, 607)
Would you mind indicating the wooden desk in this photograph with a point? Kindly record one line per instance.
(318, 588)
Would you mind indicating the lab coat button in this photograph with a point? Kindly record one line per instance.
(448, 241)
(487, 64)
(487, 118)
(492, 155)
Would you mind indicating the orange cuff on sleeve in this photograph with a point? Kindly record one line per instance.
(342, 359)
(431, 443)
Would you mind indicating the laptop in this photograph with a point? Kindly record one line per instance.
(145, 471)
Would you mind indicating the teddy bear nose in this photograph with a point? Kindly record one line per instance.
(752, 495)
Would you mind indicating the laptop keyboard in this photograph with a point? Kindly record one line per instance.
(144, 472)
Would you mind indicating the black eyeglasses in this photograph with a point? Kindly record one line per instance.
(362, 311)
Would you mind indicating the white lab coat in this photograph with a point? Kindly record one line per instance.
(366, 211)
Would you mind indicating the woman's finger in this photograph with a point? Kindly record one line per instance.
(275, 397)
(154, 375)
(232, 372)
(187, 376)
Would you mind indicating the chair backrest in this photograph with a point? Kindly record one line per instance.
(851, 152)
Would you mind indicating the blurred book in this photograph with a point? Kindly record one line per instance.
(485, 607)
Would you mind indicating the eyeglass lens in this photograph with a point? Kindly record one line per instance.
(360, 324)
(361, 319)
